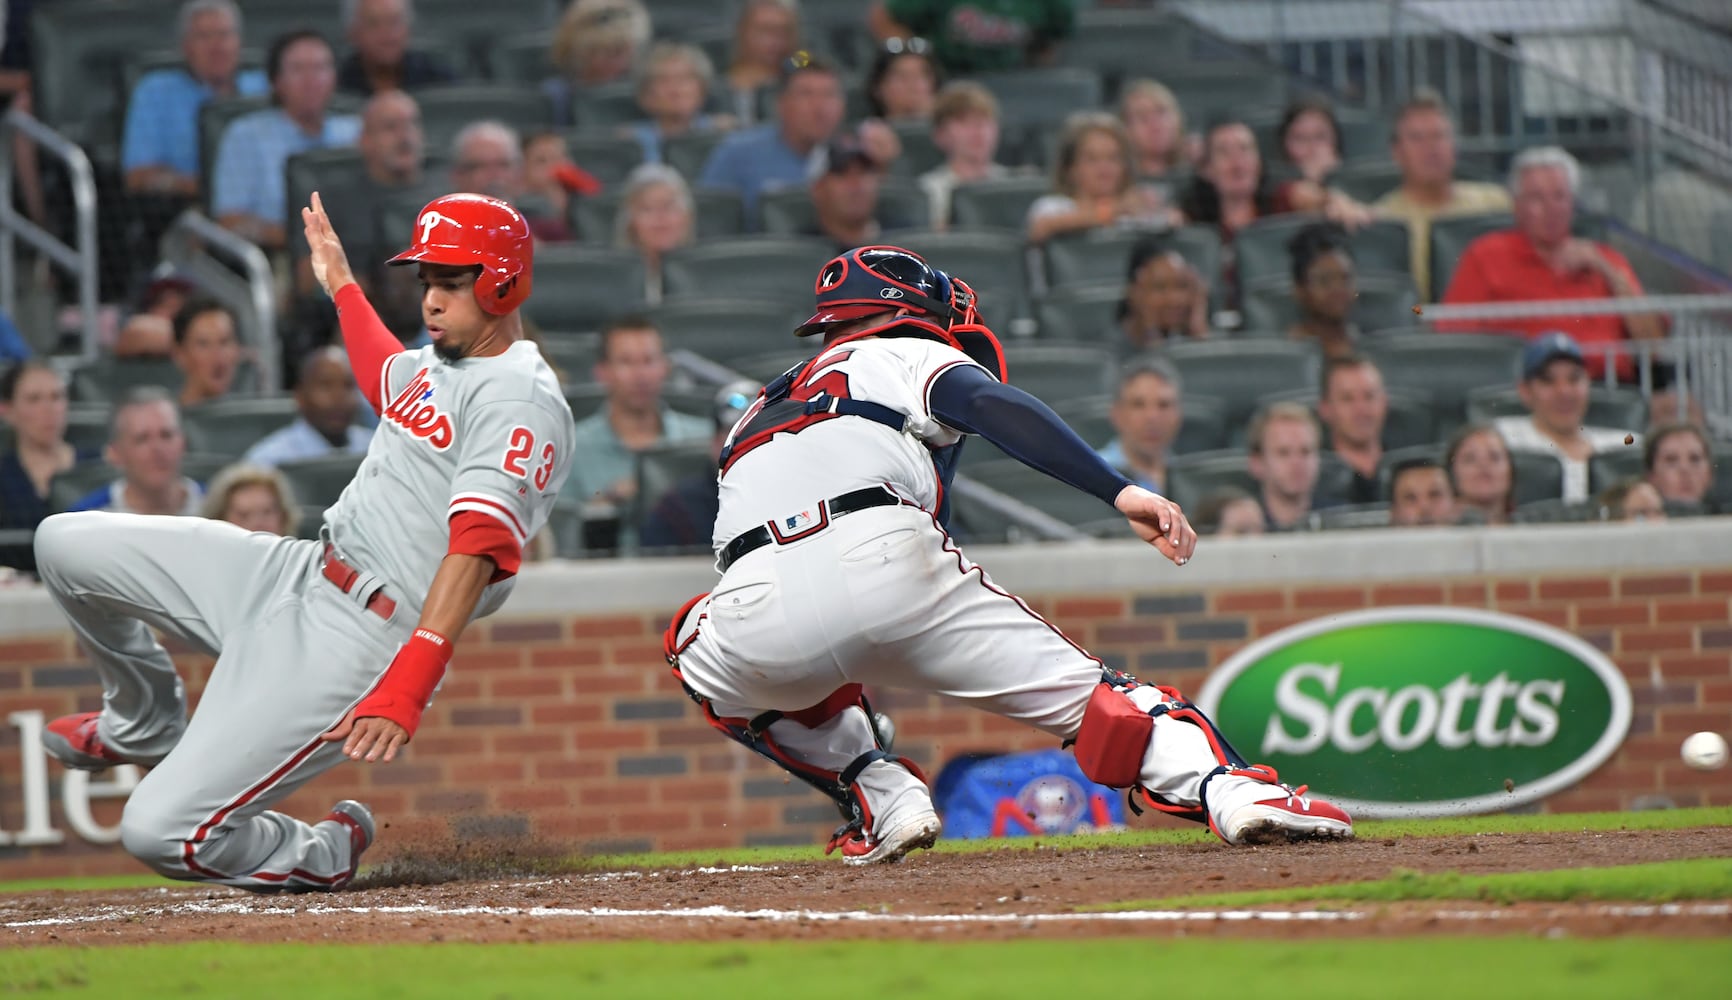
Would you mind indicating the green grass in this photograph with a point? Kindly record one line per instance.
(1484, 968)
(1667, 819)
(1655, 882)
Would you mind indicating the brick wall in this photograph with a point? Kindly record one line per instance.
(572, 730)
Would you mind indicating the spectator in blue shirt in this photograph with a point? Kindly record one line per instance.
(672, 87)
(247, 193)
(146, 444)
(160, 149)
(13, 346)
(325, 396)
(1146, 417)
(382, 59)
(809, 110)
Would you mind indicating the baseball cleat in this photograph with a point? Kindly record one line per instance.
(914, 833)
(358, 819)
(1251, 806)
(72, 740)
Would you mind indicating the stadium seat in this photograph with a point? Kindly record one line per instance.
(565, 526)
(231, 426)
(583, 396)
(1364, 137)
(1241, 372)
(571, 354)
(919, 152)
(1609, 468)
(1197, 476)
(659, 467)
(1618, 409)
(609, 158)
(202, 466)
(996, 204)
(1040, 491)
(263, 20)
(605, 107)
(1038, 96)
(579, 287)
(1353, 517)
(1263, 247)
(1211, 88)
(519, 60)
(688, 153)
(1059, 372)
(991, 262)
(1385, 297)
(469, 22)
(725, 330)
(1369, 179)
(1081, 313)
(902, 206)
(107, 379)
(79, 49)
(1449, 240)
(778, 268)
(446, 110)
(86, 428)
(1537, 476)
(1449, 366)
(213, 118)
(319, 481)
(1123, 44)
(1557, 511)
(1098, 257)
(67, 488)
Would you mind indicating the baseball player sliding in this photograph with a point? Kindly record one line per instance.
(837, 572)
(325, 648)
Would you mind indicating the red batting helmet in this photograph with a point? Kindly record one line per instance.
(469, 230)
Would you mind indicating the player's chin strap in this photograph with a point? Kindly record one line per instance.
(839, 786)
(1116, 731)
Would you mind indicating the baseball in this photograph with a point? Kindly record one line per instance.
(1705, 751)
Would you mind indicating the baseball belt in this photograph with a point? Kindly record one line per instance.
(344, 576)
(802, 526)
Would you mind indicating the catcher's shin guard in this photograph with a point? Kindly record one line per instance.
(841, 786)
(1118, 729)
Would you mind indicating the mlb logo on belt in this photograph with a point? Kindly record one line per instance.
(798, 521)
(796, 526)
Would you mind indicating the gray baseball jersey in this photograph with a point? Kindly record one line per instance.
(491, 435)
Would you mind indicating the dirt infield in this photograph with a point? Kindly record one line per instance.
(988, 895)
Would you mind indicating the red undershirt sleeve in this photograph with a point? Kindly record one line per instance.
(474, 533)
(366, 339)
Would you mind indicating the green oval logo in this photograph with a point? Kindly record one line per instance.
(1423, 711)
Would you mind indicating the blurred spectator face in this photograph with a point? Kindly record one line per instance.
(37, 409)
(1287, 464)
(1310, 145)
(1682, 470)
(847, 198)
(1355, 406)
(325, 396)
(1146, 416)
(1327, 293)
(1421, 497)
(148, 446)
(1164, 293)
(1558, 397)
(767, 34)
(659, 220)
(607, 62)
(1663, 408)
(969, 138)
(212, 47)
(1099, 168)
(542, 157)
(1544, 205)
(1424, 148)
(673, 90)
(1241, 517)
(633, 368)
(1482, 471)
(1153, 125)
(209, 354)
(488, 164)
(391, 142)
(810, 108)
(1231, 161)
(255, 508)
(1642, 503)
(908, 87)
(307, 80)
(380, 31)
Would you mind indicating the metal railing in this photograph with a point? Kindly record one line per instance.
(79, 257)
(236, 273)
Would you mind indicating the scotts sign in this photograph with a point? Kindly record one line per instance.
(1423, 711)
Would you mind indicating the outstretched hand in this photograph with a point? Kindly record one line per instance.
(1159, 522)
(330, 263)
(368, 738)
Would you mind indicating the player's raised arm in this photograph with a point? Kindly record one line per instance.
(365, 336)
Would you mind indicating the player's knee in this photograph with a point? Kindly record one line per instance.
(60, 552)
(149, 835)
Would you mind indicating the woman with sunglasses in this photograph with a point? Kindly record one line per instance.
(903, 81)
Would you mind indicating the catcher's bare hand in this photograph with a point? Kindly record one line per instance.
(1159, 522)
(330, 263)
(370, 738)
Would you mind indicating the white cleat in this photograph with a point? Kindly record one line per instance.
(1257, 810)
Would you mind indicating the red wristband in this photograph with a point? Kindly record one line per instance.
(402, 695)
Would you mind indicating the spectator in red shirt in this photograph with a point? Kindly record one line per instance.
(1539, 260)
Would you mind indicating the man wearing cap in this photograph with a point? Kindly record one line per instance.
(1554, 388)
(685, 517)
(844, 183)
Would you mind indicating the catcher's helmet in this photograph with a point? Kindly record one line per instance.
(467, 230)
(872, 280)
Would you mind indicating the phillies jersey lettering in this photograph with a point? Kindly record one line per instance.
(780, 477)
(490, 435)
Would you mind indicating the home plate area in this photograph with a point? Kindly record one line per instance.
(1007, 893)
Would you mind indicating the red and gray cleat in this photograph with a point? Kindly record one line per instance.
(918, 830)
(72, 740)
(1251, 806)
(358, 819)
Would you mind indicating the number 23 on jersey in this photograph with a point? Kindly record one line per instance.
(519, 451)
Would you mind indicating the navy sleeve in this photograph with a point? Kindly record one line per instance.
(967, 398)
